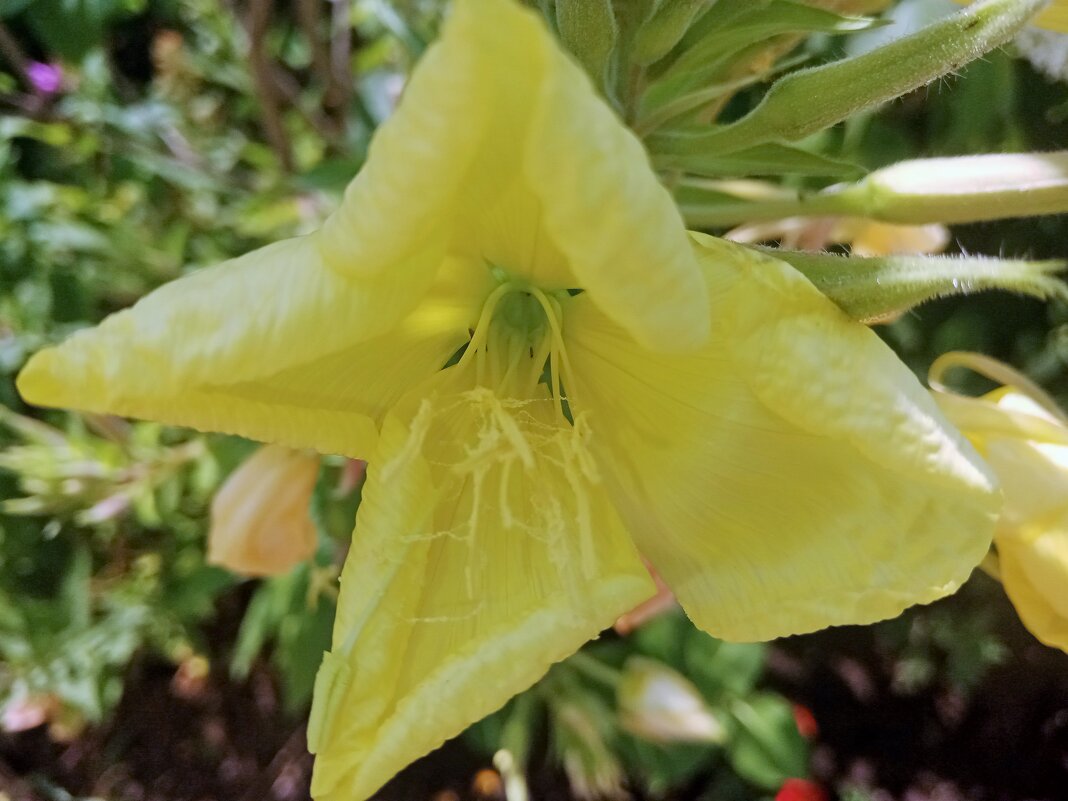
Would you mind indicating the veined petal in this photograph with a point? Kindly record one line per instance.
(271, 345)
(792, 474)
(402, 206)
(502, 151)
(484, 551)
(603, 206)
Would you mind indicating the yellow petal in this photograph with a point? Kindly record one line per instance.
(501, 151)
(791, 475)
(619, 228)
(260, 519)
(1034, 479)
(272, 346)
(1022, 435)
(1034, 570)
(484, 551)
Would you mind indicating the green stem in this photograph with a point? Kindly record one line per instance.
(595, 669)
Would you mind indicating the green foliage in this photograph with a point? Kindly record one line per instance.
(580, 701)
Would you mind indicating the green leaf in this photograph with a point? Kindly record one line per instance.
(765, 160)
(766, 747)
(723, 669)
(709, 57)
(665, 29)
(788, 111)
(662, 768)
(588, 29)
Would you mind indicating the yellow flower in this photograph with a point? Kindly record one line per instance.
(1024, 437)
(612, 381)
(1055, 17)
(260, 522)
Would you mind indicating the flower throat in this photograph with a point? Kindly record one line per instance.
(518, 342)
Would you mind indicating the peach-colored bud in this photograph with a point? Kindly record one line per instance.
(260, 523)
(873, 238)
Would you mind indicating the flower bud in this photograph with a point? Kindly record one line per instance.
(1024, 438)
(260, 524)
(659, 704)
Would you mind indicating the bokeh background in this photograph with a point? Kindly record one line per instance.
(143, 139)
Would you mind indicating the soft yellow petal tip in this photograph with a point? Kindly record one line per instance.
(39, 383)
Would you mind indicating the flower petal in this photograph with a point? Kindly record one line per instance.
(1034, 570)
(502, 151)
(271, 345)
(622, 233)
(790, 476)
(484, 551)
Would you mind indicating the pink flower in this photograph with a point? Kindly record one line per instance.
(46, 78)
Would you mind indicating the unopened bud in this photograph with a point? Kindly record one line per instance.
(260, 523)
(660, 704)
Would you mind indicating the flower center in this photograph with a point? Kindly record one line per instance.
(518, 342)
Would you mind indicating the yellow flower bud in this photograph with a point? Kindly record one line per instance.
(260, 523)
(1032, 536)
(659, 704)
(1025, 439)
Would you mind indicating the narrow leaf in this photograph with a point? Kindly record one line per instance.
(588, 29)
(811, 100)
(665, 29)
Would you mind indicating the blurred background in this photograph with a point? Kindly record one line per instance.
(142, 139)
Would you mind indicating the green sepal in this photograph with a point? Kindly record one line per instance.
(665, 29)
(811, 100)
(870, 289)
(589, 30)
(767, 159)
(709, 58)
